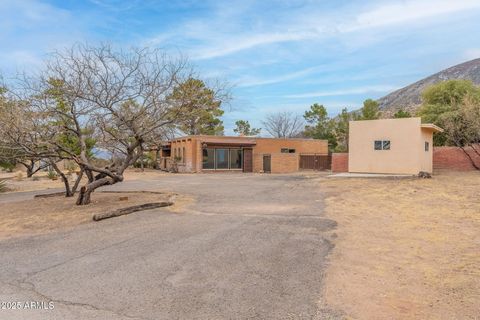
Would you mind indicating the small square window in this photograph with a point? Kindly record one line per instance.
(378, 145)
(291, 150)
(284, 150)
(427, 146)
(386, 145)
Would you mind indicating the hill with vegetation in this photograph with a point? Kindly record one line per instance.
(409, 98)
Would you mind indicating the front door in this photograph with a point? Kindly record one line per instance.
(247, 160)
(267, 163)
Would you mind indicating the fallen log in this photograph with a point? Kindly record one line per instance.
(128, 210)
(50, 195)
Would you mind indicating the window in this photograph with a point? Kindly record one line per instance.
(208, 157)
(386, 145)
(183, 155)
(235, 158)
(427, 146)
(221, 158)
(382, 145)
(286, 150)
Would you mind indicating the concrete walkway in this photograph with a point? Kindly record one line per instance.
(370, 175)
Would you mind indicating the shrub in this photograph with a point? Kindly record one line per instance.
(7, 166)
(71, 167)
(52, 175)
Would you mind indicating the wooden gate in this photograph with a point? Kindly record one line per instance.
(247, 160)
(315, 162)
(267, 163)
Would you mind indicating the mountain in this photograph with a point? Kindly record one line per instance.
(410, 97)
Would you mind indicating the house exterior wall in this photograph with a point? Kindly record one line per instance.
(406, 155)
(285, 162)
(305, 146)
(280, 162)
(426, 157)
(183, 148)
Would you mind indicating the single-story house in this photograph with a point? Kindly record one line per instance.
(395, 146)
(202, 153)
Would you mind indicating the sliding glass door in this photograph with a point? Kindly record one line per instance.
(208, 159)
(222, 159)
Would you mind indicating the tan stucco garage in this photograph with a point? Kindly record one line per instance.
(396, 146)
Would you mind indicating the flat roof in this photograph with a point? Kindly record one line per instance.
(432, 127)
(236, 139)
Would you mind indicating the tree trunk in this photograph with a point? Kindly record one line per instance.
(68, 191)
(89, 175)
(470, 158)
(29, 166)
(29, 171)
(77, 182)
(84, 197)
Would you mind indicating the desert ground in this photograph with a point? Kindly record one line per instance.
(296, 246)
(406, 249)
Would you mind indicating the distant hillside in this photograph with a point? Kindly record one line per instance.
(409, 97)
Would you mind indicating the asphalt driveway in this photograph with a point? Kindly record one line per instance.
(248, 247)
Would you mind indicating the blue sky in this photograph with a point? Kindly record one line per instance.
(279, 55)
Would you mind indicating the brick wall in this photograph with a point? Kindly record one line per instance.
(339, 162)
(280, 162)
(284, 162)
(454, 158)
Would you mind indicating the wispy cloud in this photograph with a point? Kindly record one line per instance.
(408, 11)
(343, 92)
(217, 38)
(247, 42)
(253, 81)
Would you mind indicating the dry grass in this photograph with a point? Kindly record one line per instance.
(406, 249)
(43, 215)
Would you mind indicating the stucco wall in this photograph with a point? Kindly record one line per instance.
(187, 164)
(426, 157)
(406, 154)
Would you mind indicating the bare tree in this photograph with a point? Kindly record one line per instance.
(115, 99)
(26, 135)
(283, 124)
(25, 138)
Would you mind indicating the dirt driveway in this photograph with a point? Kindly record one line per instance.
(236, 247)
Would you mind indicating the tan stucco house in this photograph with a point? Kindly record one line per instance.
(394, 146)
(242, 154)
